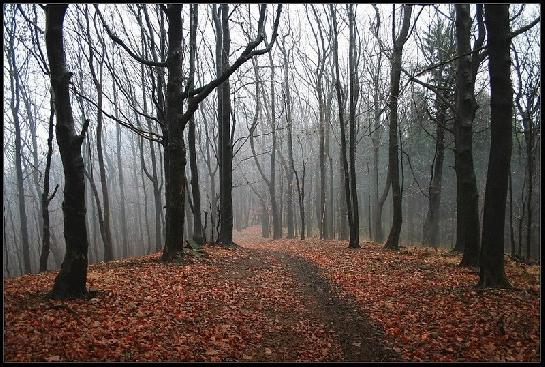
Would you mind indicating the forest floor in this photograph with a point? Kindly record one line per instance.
(284, 300)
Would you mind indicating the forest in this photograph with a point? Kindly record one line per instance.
(272, 182)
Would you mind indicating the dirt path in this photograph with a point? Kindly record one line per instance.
(360, 340)
(343, 321)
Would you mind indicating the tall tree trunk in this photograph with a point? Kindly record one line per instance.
(301, 192)
(529, 139)
(277, 224)
(467, 215)
(492, 271)
(46, 199)
(354, 93)
(175, 149)
(322, 161)
(97, 80)
(72, 278)
(341, 102)
(14, 104)
(343, 227)
(124, 231)
(157, 215)
(378, 234)
(328, 197)
(393, 156)
(289, 122)
(198, 235)
(225, 148)
(138, 204)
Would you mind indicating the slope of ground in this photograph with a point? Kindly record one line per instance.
(285, 300)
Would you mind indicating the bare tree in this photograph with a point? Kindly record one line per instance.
(492, 271)
(72, 278)
(393, 159)
(14, 106)
(467, 215)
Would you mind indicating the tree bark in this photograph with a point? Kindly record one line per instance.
(277, 224)
(354, 94)
(341, 103)
(175, 149)
(289, 122)
(72, 278)
(393, 157)
(46, 199)
(467, 215)
(492, 271)
(198, 235)
(225, 149)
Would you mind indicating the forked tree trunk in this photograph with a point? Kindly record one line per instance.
(393, 157)
(72, 278)
(341, 102)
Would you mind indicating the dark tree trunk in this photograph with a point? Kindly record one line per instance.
(175, 149)
(354, 94)
(431, 223)
(198, 235)
(289, 122)
(72, 278)
(341, 103)
(301, 192)
(328, 207)
(157, 216)
(378, 234)
(467, 214)
(265, 226)
(511, 232)
(277, 222)
(138, 204)
(492, 271)
(343, 227)
(14, 104)
(225, 149)
(393, 157)
(124, 230)
(45, 196)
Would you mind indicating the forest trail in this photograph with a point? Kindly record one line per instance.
(282, 300)
(339, 317)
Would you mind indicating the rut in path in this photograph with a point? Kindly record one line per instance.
(359, 339)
